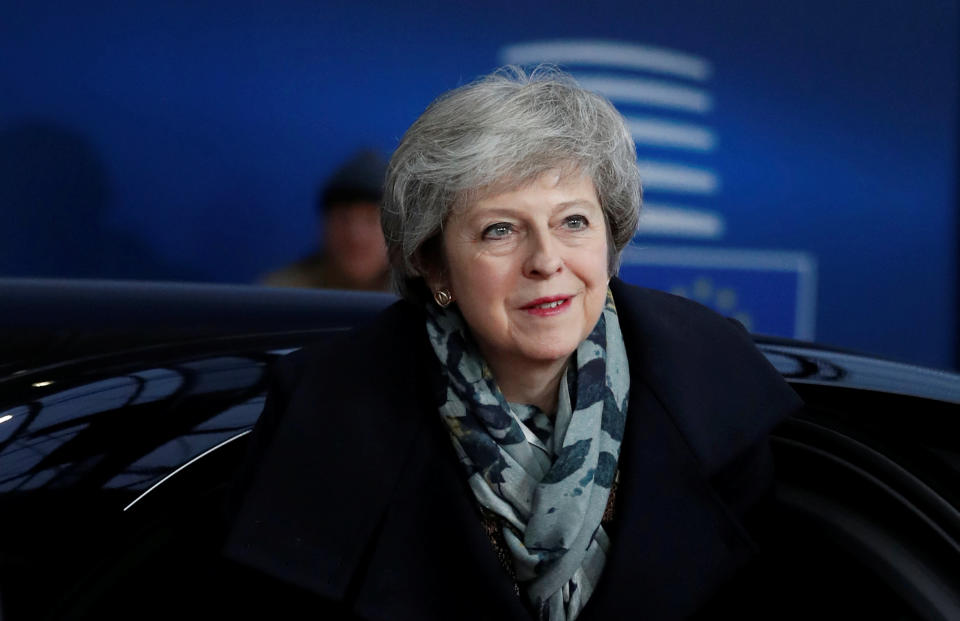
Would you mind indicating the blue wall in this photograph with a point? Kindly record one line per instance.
(207, 127)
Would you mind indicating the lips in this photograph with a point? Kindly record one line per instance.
(547, 306)
(547, 302)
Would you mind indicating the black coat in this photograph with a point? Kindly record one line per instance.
(355, 495)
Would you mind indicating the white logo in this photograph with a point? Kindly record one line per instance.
(664, 97)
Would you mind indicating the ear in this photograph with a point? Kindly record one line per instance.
(431, 264)
(435, 278)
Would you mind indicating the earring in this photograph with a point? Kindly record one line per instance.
(442, 297)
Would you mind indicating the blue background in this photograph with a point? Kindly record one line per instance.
(212, 124)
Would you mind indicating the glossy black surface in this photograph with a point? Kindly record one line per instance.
(126, 419)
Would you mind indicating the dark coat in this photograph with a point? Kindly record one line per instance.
(357, 499)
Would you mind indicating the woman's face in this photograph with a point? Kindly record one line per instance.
(528, 270)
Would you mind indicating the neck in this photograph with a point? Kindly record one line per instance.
(534, 384)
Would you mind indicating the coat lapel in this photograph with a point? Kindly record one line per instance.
(431, 558)
(672, 542)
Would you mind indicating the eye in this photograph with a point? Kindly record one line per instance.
(498, 230)
(575, 223)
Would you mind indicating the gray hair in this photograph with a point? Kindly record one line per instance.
(496, 134)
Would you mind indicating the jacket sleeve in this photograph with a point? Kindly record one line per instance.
(745, 483)
(314, 489)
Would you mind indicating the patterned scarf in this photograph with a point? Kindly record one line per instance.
(548, 480)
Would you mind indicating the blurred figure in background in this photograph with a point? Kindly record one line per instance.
(353, 254)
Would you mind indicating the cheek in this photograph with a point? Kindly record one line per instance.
(473, 279)
(597, 280)
(594, 263)
(479, 299)
(481, 288)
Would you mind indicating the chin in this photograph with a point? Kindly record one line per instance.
(550, 353)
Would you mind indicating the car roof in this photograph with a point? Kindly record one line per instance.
(49, 321)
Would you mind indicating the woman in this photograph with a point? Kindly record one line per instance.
(523, 435)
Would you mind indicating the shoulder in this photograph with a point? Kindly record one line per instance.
(372, 359)
(306, 272)
(354, 385)
(391, 333)
(341, 416)
(674, 333)
(720, 390)
(661, 312)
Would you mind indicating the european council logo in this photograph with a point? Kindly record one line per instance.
(667, 100)
(769, 292)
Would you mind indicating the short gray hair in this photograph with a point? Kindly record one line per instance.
(497, 134)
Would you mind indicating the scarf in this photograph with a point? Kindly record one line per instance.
(549, 480)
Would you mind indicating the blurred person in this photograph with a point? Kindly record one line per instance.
(353, 254)
(523, 435)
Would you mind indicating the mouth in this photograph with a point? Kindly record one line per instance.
(548, 305)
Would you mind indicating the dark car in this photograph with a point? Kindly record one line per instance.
(125, 410)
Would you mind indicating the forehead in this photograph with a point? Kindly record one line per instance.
(566, 185)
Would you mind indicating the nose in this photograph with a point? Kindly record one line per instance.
(544, 258)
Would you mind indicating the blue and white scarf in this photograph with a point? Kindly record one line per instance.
(548, 480)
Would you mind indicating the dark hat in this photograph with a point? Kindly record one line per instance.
(360, 178)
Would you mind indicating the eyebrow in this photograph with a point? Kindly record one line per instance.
(576, 203)
(512, 211)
